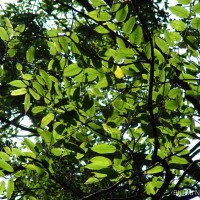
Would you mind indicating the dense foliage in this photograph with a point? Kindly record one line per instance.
(111, 90)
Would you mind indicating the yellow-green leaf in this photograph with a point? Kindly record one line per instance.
(18, 83)
(99, 15)
(3, 34)
(10, 188)
(178, 25)
(119, 73)
(155, 170)
(30, 54)
(5, 166)
(178, 160)
(47, 119)
(195, 23)
(179, 11)
(18, 92)
(26, 102)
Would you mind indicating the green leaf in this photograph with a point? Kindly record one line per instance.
(27, 102)
(3, 34)
(185, 2)
(9, 25)
(171, 105)
(20, 28)
(34, 94)
(39, 89)
(4, 156)
(174, 92)
(27, 77)
(128, 25)
(89, 105)
(2, 186)
(99, 15)
(30, 54)
(47, 136)
(100, 160)
(50, 65)
(179, 11)
(97, 3)
(136, 36)
(10, 188)
(150, 188)
(103, 148)
(46, 78)
(185, 122)
(47, 119)
(18, 83)
(195, 23)
(38, 109)
(30, 145)
(74, 147)
(56, 151)
(100, 29)
(154, 170)
(11, 52)
(92, 180)
(5, 166)
(88, 75)
(19, 66)
(18, 92)
(162, 45)
(178, 160)
(178, 25)
(122, 13)
(72, 69)
(64, 43)
(196, 8)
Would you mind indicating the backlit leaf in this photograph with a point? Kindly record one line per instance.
(10, 188)
(119, 73)
(27, 102)
(178, 25)
(5, 166)
(195, 23)
(99, 15)
(179, 11)
(92, 180)
(38, 109)
(3, 34)
(72, 69)
(185, 2)
(47, 119)
(96, 3)
(155, 170)
(128, 25)
(18, 83)
(122, 13)
(178, 160)
(196, 8)
(136, 36)
(30, 54)
(2, 186)
(103, 148)
(162, 45)
(171, 105)
(56, 151)
(20, 91)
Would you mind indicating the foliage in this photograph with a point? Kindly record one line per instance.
(111, 89)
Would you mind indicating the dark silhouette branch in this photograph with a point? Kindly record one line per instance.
(10, 122)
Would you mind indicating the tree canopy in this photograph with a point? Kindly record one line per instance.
(111, 90)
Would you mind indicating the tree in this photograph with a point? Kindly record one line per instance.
(112, 92)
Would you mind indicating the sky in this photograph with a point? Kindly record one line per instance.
(8, 1)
